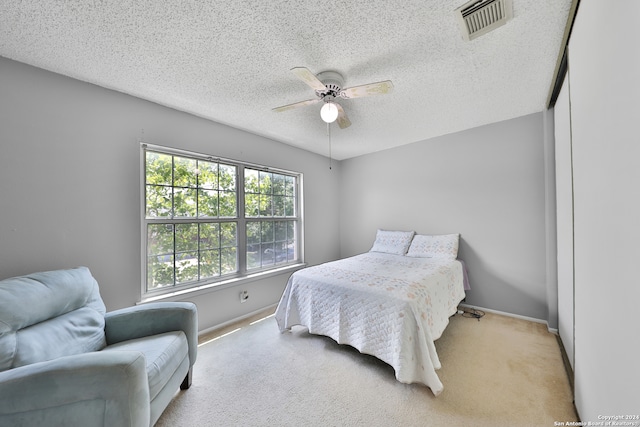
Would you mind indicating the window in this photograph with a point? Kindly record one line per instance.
(207, 220)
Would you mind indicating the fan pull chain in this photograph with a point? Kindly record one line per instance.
(329, 135)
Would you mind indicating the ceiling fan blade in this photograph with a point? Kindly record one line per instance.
(343, 120)
(379, 88)
(309, 78)
(296, 105)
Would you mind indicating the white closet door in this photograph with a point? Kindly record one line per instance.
(564, 206)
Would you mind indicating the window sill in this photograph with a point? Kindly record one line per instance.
(216, 286)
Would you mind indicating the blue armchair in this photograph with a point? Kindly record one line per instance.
(64, 361)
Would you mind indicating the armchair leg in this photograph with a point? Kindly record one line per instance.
(186, 383)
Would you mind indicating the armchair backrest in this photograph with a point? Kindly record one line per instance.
(48, 315)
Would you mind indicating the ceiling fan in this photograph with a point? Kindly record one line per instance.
(328, 86)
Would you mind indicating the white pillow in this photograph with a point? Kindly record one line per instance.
(392, 242)
(440, 246)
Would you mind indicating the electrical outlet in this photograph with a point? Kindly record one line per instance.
(244, 296)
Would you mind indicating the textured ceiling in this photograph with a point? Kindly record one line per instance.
(229, 61)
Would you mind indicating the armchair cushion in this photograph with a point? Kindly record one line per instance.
(151, 319)
(48, 315)
(164, 353)
(95, 388)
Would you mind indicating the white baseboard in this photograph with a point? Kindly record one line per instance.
(234, 320)
(516, 316)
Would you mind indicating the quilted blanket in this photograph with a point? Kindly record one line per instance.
(390, 306)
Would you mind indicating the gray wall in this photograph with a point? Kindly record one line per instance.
(487, 183)
(70, 184)
(604, 65)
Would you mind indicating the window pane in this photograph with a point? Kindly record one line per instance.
(207, 175)
(265, 182)
(281, 231)
(228, 235)
(158, 168)
(209, 263)
(267, 232)
(278, 206)
(251, 181)
(159, 271)
(289, 206)
(186, 267)
(268, 255)
(184, 172)
(265, 206)
(281, 252)
(251, 205)
(184, 202)
(207, 203)
(227, 178)
(290, 185)
(228, 204)
(209, 236)
(291, 225)
(159, 239)
(278, 184)
(254, 259)
(291, 250)
(159, 202)
(253, 232)
(229, 260)
(186, 237)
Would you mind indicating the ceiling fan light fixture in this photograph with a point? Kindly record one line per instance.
(329, 112)
(328, 85)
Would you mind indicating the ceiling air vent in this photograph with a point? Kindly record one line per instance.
(478, 17)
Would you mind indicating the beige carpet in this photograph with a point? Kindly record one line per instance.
(498, 371)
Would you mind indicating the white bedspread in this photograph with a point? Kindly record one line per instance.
(390, 306)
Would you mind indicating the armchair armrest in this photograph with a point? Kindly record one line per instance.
(151, 319)
(87, 389)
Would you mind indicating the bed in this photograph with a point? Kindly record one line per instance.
(392, 302)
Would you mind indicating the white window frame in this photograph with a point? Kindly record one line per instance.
(243, 274)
